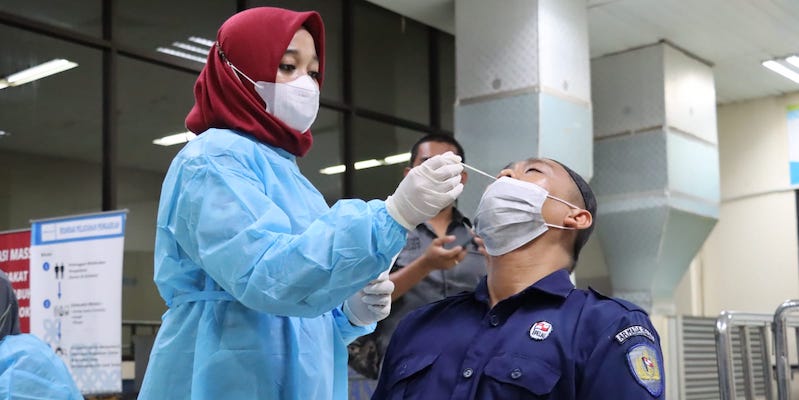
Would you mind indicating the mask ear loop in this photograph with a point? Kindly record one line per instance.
(226, 61)
(568, 204)
(564, 202)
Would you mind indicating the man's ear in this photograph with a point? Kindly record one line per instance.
(578, 219)
(464, 177)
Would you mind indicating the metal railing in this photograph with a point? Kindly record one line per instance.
(774, 325)
(742, 321)
(781, 324)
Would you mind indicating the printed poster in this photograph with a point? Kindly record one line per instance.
(14, 261)
(76, 295)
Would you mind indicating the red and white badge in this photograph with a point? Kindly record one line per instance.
(540, 330)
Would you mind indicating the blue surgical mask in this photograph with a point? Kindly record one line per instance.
(509, 215)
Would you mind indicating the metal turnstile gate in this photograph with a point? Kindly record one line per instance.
(765, 326)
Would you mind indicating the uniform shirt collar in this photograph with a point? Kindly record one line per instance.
(457, 219)
(557, 284)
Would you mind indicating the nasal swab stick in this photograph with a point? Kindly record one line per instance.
(478, 171)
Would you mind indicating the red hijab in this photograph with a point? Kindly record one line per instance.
(254, 41)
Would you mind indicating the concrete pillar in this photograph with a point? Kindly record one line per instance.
(523, 86)
(657, 168)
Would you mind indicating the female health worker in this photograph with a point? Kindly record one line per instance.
(265, 283)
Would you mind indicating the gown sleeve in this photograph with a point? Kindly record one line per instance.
(225, 222)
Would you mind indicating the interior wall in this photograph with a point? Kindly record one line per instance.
(42, 187)
(688, 293)
(749, 262)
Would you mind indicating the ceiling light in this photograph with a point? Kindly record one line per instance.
(367, 164)
(397, 159)
(371, 163)
(181, 54)
(336, 169)
(38, 72)
(191, 50)
(793, 60)
(782, 69)
(177, 138)
(202, 41)
(196, 49)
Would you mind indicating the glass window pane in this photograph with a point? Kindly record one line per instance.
(446, 79)
(84, 16)
(376, 140)
(390, 66)
(325, 153)
(149, 108)
(50, 155)
(330, 10)
(150, 24)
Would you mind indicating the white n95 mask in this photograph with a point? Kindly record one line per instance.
(295, 103)
(509, 215)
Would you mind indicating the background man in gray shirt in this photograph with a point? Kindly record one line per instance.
(440, 258)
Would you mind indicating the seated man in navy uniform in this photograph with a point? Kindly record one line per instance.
(526, 332)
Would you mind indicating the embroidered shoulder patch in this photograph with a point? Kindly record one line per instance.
(645, 365)
(635, 330)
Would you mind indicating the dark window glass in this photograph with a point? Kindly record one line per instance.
(149, 109)
(390, 66)
(326, 152)
(83, 16)
(51, 148)
(172, 26)
(373, 140)
(446, 80)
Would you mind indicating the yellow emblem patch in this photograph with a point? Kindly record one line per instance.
(645, 365)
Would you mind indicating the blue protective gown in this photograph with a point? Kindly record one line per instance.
(30, 370)
(254, 266)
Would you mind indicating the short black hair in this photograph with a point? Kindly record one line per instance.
(589, 200)
(438, 138)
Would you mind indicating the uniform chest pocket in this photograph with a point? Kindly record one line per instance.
(518, 377)
(409, 379)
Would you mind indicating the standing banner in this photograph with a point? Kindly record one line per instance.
(14, 255)
(76, 295)
(793, 143)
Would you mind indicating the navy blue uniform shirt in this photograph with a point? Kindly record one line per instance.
(551, 341)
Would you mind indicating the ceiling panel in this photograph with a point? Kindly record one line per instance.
(735, 36)
(58, 115)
